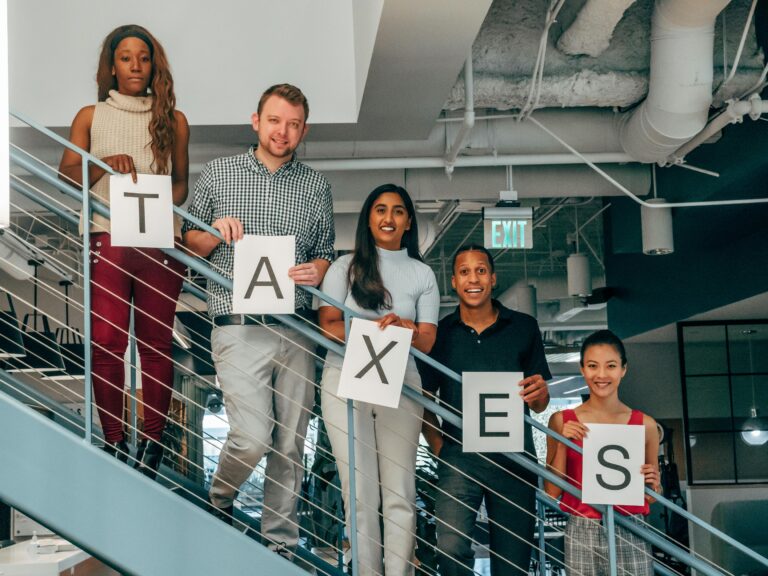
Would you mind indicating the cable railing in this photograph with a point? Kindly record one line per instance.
(203, 295)
(201, 268)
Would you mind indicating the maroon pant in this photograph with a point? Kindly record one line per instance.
(152, 280)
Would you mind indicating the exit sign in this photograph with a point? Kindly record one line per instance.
(508, 228)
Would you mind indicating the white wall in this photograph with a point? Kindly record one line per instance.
(366, 16)
(54, 47)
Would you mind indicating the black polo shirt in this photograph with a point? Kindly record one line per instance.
(511, 344)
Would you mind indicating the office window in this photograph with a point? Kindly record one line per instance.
(724, 368)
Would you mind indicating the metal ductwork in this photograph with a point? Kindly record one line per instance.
(680, 85)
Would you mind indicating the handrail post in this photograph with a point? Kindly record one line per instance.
(542, 539)
(611, 535)
(132, 364)
(352, 479)
(88, 380)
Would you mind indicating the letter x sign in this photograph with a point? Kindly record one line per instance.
(141, 213)
(374, 363)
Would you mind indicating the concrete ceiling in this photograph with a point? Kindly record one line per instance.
(506, 47)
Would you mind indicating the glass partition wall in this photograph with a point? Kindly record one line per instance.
(724, 369)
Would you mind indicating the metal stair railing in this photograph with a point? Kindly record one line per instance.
(305, 555)
(176, 537)
(436, 410)
(201, 267)
(76, 423)
(319, 564)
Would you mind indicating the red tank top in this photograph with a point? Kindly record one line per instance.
(573, 470)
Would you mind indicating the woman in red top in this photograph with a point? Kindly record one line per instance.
(603, 365)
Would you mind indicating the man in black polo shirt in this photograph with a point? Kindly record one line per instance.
(483, 336)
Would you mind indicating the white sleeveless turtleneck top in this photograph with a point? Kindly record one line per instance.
(121, 126)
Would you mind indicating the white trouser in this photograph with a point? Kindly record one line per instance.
(266, 375)
(385, 460)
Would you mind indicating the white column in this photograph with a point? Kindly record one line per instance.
(4, 133)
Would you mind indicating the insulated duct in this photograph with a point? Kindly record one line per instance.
(680, 83)
(591, 31)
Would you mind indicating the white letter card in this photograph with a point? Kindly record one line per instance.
(613, 455)
(374, 363)
(141, 213)
(493, 412)
(261, 284)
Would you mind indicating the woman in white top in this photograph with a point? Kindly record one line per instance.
(385, 280)
(134, 128)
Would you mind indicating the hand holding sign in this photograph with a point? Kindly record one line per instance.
(374, 363)
(261, 284)
(613, 457)
(141, 211)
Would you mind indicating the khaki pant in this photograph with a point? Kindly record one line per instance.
(385, 456)
(267, 381)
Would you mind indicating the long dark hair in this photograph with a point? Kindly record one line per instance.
(162, 125)
(364, 278)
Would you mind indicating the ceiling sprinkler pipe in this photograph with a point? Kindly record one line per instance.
(733, 114)
(333, 164)
(469, 116)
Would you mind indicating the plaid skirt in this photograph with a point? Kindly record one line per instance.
(586, 550)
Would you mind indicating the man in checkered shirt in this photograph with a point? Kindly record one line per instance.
(265, 369)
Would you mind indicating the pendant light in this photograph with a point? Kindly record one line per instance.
(579, 274)
(656, 224)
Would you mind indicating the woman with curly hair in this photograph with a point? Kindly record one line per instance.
(134, 128)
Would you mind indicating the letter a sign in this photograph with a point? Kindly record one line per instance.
(261, 284)
(613, 455)
(141, 213)
(374, 363)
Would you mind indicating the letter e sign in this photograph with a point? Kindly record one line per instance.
(374, 363)
(613, 456)
(493, 410)
(260, 283)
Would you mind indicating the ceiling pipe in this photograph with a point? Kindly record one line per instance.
(733, 114)
(465, 161)
(591, 32)
(680, 81)
(469, 116)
